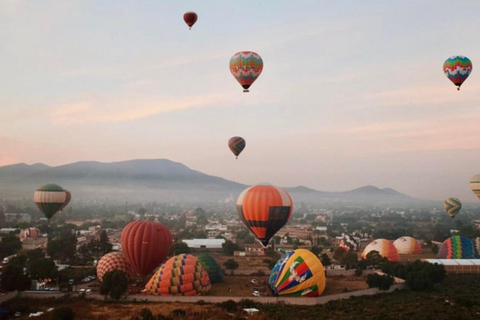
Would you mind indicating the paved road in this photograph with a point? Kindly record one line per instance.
(213, 299)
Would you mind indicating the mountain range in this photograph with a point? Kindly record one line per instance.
(158, 180)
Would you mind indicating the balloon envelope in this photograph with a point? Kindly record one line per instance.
(384, 247)
(264, 210)
(475, 185)
(211, 266)
(452, 206)
(29, 233)
(49, 199)
(113, 261)
(407, 245)
(145, 245)
(67, 200)
(246, 67)
(349, 243)
(236, 144)
(456, 247)
(457, 69)
(298, 273)
(190, 18)
(180, 275)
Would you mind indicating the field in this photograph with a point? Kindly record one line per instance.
(459, 298)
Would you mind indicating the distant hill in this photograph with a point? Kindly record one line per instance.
(156, 180)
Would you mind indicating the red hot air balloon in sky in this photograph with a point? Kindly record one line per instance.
(145, 245)
(190, 18)
(236, 144)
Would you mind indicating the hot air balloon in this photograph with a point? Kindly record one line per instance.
(246, 67)
(210, 265)
(456, 247)
(407, 245)
(236, 144)
(298, 273)
(264, 210)
(475, 185)
(452, 206)
(113, 261)
(49, 199)
(457, 69)
(145, 245)
(29, 233)
(384, 247)
(476, 246)
(349, 243)
(190, 18)
(180, 275)
(67, 200)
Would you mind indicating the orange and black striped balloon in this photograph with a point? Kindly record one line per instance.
(264, 210)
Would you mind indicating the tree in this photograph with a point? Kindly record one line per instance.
(13, 278)
(383, 282)
(9, 245)
(63, 313)
(105, 245)
(43, 269)
(180, 247)
(316, 250)
(35, 254)
(325, 259)
(64, 247)
(230, 264)
(229, 247)
(338, 254)
(374, 259)
(115, 284)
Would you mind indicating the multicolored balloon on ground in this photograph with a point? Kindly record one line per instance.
(246, 67)
(190, 18)
(113, 261)
(49, 199)
(236, 144)
(145, 245)
(298, 273)
(264, 210)
(180, 275)
(476, 246)
(456, 247)
(349, 243)
(452, 206)
(384, 247)
(211, 266)
(29, 233)
(457, 69)
(475, 185)
(408, 245)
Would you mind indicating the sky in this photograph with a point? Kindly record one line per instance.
(352, 92)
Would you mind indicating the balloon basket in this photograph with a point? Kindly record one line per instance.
(246, 90)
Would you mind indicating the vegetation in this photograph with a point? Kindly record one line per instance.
(382, 282)
(9, 245)
(418, 275)
(229, 247)
(63, 313)
(115, 284)
(230, 264)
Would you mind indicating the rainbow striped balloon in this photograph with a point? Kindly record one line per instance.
(475, 185)
(246, 67)
(456, 247)
(457, 69)
(452, 206)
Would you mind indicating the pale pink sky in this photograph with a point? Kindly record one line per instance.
(352, 93)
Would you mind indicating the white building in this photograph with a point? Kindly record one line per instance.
(205, 243)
